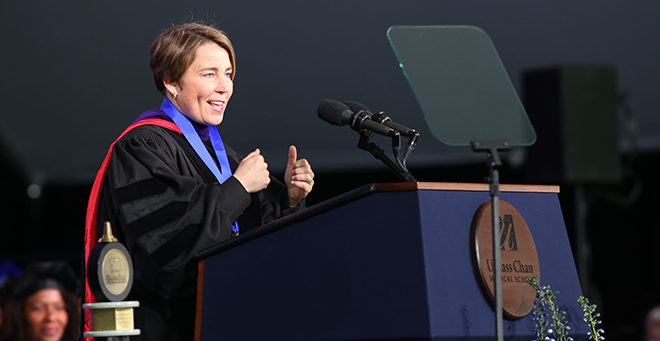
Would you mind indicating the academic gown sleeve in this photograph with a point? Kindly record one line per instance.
(165, 206)
(167, 210)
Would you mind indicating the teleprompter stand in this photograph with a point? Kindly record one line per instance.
(467, 100)
(494, 162)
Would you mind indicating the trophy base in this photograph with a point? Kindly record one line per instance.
(112, 320)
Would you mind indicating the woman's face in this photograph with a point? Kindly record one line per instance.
(205, 88)
(46, 315)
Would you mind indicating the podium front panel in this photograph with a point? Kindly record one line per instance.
(392, 265)
(457, 307)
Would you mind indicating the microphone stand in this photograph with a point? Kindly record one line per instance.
(379, 154)
(491, 147)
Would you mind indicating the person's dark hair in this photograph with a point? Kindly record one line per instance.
(175, 49)
(15, 325)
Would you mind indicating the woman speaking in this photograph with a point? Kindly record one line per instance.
(171, 187)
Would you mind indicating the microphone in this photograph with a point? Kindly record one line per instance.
(381, 118)
(359, 107)
(339, 114)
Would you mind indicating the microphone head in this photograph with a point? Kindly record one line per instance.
(334, 112)
(356, 107)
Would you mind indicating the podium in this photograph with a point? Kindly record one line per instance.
(383, 262)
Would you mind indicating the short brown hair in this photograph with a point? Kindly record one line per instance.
(175, 49)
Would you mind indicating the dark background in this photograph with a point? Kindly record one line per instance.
(76, 73)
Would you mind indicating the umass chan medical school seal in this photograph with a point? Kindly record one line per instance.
(110, 269)
(519, 259)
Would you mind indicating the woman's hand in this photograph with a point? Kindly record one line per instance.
(253, 173)
(298, 177)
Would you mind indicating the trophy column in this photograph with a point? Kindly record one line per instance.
(110, 272)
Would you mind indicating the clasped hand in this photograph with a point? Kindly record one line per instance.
(253, 174)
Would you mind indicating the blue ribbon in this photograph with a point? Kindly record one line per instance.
(195, 141)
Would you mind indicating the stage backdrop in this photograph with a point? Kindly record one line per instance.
(75, 73)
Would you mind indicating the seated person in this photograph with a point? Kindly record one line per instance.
(40, 305)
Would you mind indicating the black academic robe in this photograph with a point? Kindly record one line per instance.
(165, 206)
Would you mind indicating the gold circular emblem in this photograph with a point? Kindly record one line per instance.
(115, 271)
(519, 259)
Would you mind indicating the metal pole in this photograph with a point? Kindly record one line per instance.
(491, 147)
(495, 196)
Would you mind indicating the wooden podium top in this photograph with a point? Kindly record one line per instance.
(459, 186)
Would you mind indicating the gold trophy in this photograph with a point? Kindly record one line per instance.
(110, 276)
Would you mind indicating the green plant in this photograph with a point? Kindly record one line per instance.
(591, 318)
(550, 321)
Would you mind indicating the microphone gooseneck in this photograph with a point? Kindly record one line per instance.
(384, 119)
(366, 123)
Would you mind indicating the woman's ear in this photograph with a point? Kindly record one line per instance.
(172, 88)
